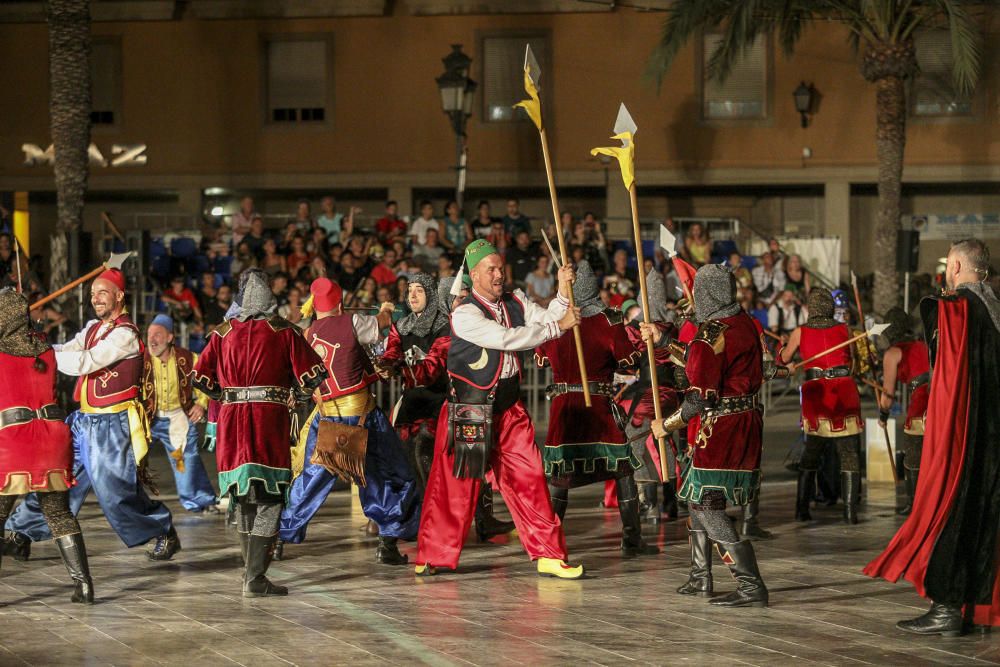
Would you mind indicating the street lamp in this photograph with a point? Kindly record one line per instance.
(457, 94)
(803, 101)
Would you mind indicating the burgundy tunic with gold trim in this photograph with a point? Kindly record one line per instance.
(831, 407)
(30, 452)
(914, 362)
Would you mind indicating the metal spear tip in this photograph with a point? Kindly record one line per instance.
(854, 279)
(668, 242)
(877, 329)
(531, 65)
(624, 122)
(117, 259)
(456, 287)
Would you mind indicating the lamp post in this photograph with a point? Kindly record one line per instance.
(803, 101)
(457, 93)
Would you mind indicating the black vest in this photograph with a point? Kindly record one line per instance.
(425, 343)
(473, 369)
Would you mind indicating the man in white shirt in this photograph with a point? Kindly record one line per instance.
(485, 427)
(426, 221)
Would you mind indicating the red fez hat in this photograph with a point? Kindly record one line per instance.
(327, 294)
(113, 276)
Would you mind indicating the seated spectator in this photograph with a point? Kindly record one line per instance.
(605, 297)
(336, 252)
(418, 230)
(319, 269)
(785, 315)
(577, 254)
(244, 259)
(298, 257)
(240, 221)
(181, 301)
(303, 217)
(402, 289)
(256, 237)
(384, 272)
(797, 277)
(291, 231)
(329, 220)
(759, 312)
(697, 245)
(540, 283)
(348, 275)
(445, 269)
(514, 221)
(522, 259)
(768, 279)
(428, 253)
(457, 232)
(292, 309)
(389, 227)
(317, 243)
(215, 310)
(384, 295)
(622, 278)
(365, 294)
(744, 279)
(631, 310)
(279, 287)
(483, 225)
(777, 254)
(270, 261)
(207, 290)
(347, 230)
(499, 237)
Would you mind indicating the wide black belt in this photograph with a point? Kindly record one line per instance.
(560, 388)
(731, 405)
(923, 378)
(14, 416)
(255, 395)
(827, 373)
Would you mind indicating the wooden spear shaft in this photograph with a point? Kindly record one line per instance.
(650, 352)
(65, 288)
(578, 339)
(838, 346)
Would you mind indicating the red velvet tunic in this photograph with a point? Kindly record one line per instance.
(726, 450)
(914, 363)
(253, 438)
(831, 407)
(40, 446)
(579, 436)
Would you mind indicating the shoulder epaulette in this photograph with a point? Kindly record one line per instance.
(279, 323)
(713, 333)
(614, 316)
(223, 329)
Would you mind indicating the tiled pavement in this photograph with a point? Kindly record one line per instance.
(344, 609)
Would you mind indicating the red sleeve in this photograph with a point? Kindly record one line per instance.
(307, 367)
(543, 351)
(393, 347)
(704, 368)
(623, 347)
(433, 366)
(205, 373)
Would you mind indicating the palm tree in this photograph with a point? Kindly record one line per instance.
(69, 111)
(881, 31)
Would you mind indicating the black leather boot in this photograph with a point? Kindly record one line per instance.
(941, 619)
(165, 546)
(804, 494)
(628, 508)
(649, 508)
(911, 490)
(700, 578)
(850, 483)
(670, 499)
(74, 555)
(560, 500)
(279, 549)
(751, 529)
(742, 562)
(260, 551)
(487, 525)
(17, 545)
(387, 553)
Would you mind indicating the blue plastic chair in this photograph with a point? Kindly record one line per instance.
(183, 247)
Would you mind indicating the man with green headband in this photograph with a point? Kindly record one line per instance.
(484, 431)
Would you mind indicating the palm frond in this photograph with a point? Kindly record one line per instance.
(966, 45)
(685, 20)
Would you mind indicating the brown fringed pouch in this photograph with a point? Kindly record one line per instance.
(341, 449)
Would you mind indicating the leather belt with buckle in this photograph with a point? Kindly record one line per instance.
(731, 405)
(560, 388)
(921, 379)
(20, 415)
(265, 394)
(827, 373)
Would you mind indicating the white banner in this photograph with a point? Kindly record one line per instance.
(956, 227)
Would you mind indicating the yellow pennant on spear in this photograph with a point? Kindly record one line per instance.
(624, 131)
(533, 107)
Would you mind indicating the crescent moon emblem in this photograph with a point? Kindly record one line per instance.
(481, 364)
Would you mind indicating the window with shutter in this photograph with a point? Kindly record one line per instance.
(298, 84)
(932, 91)
(105, 81)
(503, 74)
(743, 95)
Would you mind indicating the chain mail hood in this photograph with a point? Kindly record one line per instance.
(900, 325)
(586, 291)
(428, 320)
(820, 306)
(714, 293)
(444, 297)
(16, 337)
(656, 293)
(255, 299)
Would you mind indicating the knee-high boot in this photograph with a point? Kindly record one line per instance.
(560, 500)
(751, 529)
(670, 499)
(911, 490)
(649, 508)
(74, 555)
(628, 508)
(803, 495)
(487, 525)
(260, 551)
(742, 562)
(700, 578)
(851, 483)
